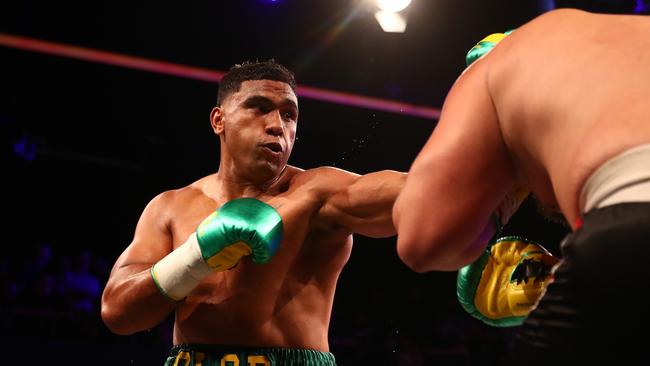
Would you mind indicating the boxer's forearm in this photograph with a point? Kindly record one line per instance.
(131, 302)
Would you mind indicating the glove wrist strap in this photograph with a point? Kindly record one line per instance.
(178, 273)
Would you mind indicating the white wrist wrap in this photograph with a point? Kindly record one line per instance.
(180, 271)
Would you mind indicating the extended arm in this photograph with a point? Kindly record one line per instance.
(362, 203)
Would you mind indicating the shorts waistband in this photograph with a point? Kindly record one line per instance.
(218, 355)
(623, 178)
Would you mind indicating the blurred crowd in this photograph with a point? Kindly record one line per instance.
(50, 293)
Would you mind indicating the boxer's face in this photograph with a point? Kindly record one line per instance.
(258, 126)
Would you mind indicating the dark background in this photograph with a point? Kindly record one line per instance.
(86, 145)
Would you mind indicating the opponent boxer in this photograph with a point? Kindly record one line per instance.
(505, 283)
(560, 106)
(248, 257)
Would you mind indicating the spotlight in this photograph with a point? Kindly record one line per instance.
(391, 16)
(391, 22)
(393, 6)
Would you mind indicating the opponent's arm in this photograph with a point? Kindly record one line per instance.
(362, 203)
(444, 215)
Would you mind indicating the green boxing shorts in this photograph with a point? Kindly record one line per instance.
(216, 355)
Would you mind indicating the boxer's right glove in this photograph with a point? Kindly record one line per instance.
(504, 284)
(244, 226)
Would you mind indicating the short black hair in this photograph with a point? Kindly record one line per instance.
(253, 70)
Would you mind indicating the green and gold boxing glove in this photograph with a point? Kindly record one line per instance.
(245, 226)
(484, 46)
(241, 227)
(504, 284)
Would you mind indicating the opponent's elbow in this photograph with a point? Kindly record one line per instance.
(425, 255)
(413, 262)
(414, 254)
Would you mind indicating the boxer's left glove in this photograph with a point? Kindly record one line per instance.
(241, 227)
(244, 226)
(504, 284)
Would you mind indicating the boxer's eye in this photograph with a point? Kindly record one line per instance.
(262, 104)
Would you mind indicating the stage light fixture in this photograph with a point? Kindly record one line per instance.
(391, 15)
(393, 6)
(391, 22)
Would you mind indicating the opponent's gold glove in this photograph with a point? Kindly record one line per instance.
(504, 284)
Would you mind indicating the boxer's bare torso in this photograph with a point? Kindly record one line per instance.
(286, 302)
(544, 109)
(562, 125)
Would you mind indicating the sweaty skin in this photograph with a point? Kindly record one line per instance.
(545, 108)
(284, 303)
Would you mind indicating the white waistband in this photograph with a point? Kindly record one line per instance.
(624, 178)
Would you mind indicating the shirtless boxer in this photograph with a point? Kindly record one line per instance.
(248, 257)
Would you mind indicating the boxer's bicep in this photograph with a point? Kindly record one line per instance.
(363, 203)
(152, 239)
(127, 298)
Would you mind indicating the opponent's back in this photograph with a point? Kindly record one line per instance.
(570, 89)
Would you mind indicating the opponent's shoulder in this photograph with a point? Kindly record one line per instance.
(551, 24)
(560, 14)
